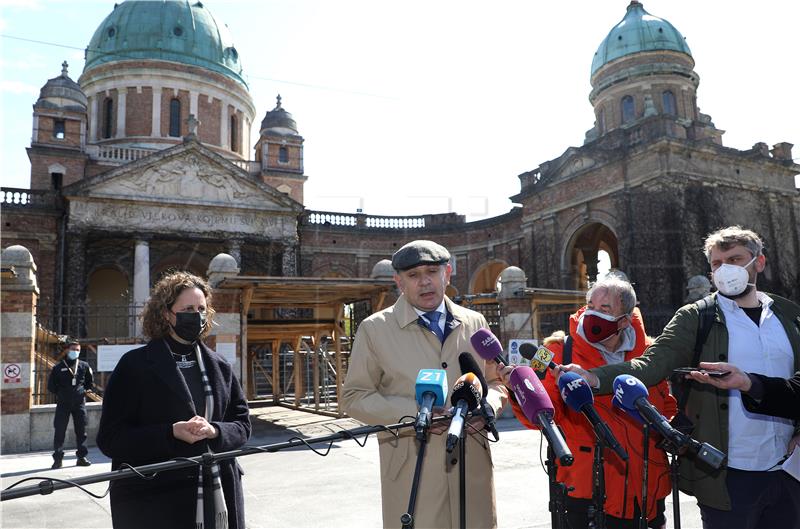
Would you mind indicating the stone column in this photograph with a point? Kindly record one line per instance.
(122, 109)
(289, 260)
(141, 280)
(74, 309)
(20, 295)
(235, 250)
(156, 119)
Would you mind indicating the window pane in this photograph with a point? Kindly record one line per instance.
(283, 155)
(175, 118)
(668, 102)
(628, 113)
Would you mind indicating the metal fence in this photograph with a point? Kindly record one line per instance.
(92, 326)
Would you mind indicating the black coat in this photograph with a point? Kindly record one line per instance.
(144, 396)
(60, 383)
(781, 397)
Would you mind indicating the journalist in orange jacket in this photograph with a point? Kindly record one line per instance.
(609, 329)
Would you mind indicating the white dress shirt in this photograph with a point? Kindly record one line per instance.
(756, 441)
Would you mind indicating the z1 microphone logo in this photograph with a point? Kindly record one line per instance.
(431, 375)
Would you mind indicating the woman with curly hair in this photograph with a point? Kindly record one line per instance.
(175, 398)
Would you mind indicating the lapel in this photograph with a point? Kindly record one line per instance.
(451, 321)
(165, 368)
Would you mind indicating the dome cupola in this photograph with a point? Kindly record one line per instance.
(638, 31)
(181, 31)
(62, 92)
(278, 120)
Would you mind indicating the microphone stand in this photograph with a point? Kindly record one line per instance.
(645, 469)
(558, 493)
(676, 503)
(407, 519)
(462, 477)
(595, 512)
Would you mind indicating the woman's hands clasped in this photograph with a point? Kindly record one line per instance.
(195, 429)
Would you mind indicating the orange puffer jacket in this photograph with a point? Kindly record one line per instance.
(580, 437)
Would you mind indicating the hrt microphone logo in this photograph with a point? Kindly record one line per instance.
(575, 384)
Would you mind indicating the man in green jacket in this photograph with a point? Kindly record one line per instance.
(757, 333)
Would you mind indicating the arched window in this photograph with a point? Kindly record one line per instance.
(234, 134)
(59, 127)
(668, 103)
(283, 155)
(108, 117)
(628, 111)
(175, 117)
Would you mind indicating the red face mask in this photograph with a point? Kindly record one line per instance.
(598, 326)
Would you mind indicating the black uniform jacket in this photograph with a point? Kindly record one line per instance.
(781, 397)
(60, 382)
(144, 396)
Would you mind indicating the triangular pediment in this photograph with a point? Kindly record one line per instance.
(187, 174)
(571, 162)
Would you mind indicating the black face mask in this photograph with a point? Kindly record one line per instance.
(189, 325)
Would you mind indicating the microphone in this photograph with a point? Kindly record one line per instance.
(469, 365)
(630, 394)
(538, 409)
(576, 393)
(431, 388)
(488, 346)
(466, 396)
(541, 358)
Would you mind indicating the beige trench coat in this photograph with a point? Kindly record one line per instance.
(389, 350)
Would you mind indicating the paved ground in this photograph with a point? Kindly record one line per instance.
(297, 488)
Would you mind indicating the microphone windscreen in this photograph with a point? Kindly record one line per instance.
(467, 388)
(468, 365)
(434, 381)
(575, 391)
(486, 344)
(627, 390)
(541, 359)
(527, 350)
(530, 393)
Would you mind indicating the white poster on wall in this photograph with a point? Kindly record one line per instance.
(518, 351)
(228, 351)
(109, 355)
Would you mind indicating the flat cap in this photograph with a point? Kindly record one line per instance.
(418, 253)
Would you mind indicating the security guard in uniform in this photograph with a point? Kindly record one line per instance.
(69, 380)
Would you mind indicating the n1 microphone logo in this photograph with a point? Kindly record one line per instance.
(431, 375)
(620, 391)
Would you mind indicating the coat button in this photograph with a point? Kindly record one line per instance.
(723, 406)
(444, 365)
(723, 357)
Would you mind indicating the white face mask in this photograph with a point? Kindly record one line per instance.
(731, 280)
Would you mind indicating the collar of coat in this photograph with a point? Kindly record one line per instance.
(406, 315)
(164, 366)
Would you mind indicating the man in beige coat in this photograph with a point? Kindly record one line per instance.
(390, 348)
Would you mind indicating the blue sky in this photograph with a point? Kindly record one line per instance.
(420, 106)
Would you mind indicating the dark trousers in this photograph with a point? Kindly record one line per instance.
(78, 412)
(759, 500)
(578, 518)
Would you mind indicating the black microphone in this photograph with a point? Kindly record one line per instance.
(469, 365)
(630, 394)
(576, 393)
(465, 397)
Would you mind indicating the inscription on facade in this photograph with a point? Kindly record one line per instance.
(177, 219)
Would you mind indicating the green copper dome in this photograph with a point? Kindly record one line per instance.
(638, 31)
(170, 30)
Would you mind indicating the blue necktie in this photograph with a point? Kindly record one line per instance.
(433, 317)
